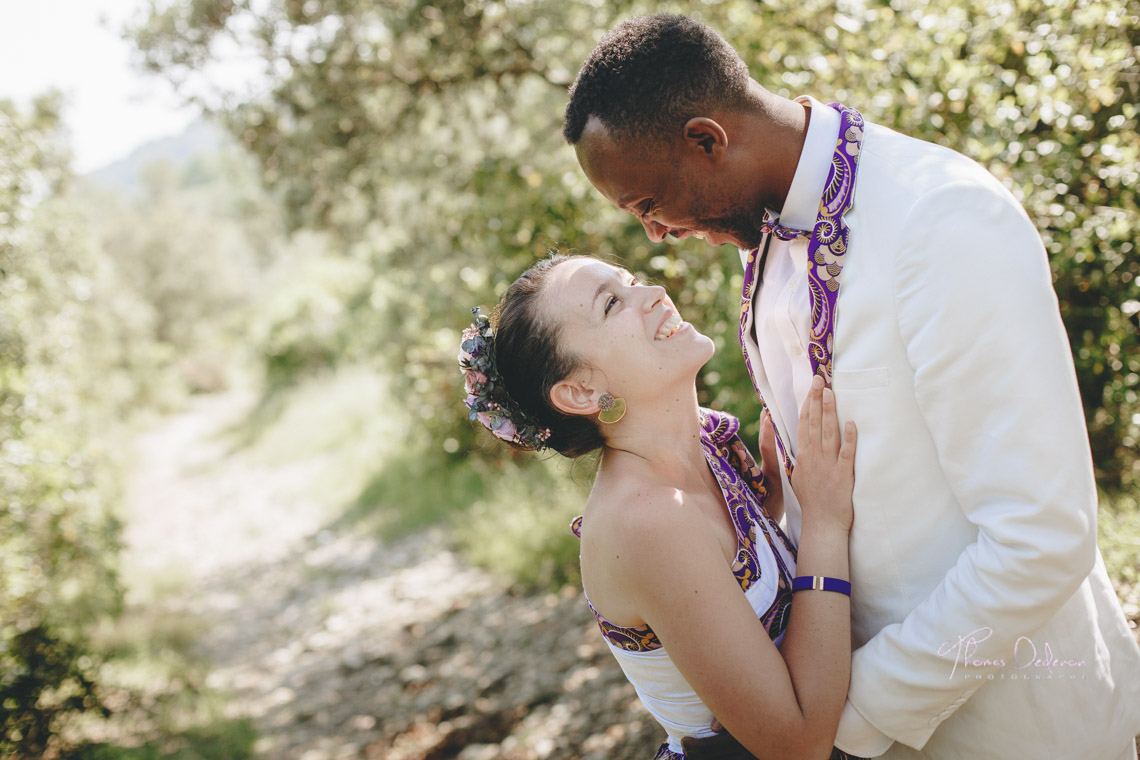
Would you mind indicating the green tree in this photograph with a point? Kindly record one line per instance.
(425, 136)
(57, 540)
(109, 304)
(191, 248)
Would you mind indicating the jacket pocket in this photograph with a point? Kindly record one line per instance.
(860, 379)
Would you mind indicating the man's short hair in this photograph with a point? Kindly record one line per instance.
(651, 74)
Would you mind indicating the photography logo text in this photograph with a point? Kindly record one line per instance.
(1026, 659)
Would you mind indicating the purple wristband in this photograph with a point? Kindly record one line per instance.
(822, 583)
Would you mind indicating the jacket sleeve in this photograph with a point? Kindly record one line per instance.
(995, 383)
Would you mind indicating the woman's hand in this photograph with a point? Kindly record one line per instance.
(824, 476)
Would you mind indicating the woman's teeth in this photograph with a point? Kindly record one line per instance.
(671, 325)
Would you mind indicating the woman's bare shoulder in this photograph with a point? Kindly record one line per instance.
(635, 510)
(630, 529)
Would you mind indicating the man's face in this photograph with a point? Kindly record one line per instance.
(670, 190)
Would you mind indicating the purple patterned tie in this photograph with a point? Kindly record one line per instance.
(773, 227)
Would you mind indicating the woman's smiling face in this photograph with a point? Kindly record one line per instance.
(630, 332)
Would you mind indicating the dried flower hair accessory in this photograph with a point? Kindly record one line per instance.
(487, 400)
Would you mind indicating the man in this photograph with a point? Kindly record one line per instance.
(984, 624)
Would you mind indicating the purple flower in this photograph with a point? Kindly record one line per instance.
(506, 430)
(498, 424)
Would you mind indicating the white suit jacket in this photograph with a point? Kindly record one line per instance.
(983, 622)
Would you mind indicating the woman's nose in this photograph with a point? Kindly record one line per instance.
(654, 294)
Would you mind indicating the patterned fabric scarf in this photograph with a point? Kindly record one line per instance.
(745, 489)
(826, 249)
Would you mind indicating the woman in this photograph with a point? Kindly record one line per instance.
(679, 520)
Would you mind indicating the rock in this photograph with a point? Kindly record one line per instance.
(480, 752)
(413, 674)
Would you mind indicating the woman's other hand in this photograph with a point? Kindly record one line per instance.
(824, 475)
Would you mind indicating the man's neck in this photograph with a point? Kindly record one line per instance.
(776, 133)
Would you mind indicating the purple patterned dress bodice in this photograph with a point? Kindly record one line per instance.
(744, 488)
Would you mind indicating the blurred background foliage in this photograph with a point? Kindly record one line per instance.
(57, 540)
(424, 135)
(113, 303)
(402, 161)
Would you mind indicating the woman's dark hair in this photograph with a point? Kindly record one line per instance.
(530, 362)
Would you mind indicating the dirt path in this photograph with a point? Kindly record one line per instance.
(337, 645)
(341, 646)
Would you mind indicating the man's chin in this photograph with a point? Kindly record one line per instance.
(714, 238)
(737, 238)
(720, 237)
(732, 230)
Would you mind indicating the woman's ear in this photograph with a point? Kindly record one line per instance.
(705, 136)
(575, 396)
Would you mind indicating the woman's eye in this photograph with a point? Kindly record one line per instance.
(610, 303)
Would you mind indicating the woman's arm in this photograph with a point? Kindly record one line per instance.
(818, 639)
(777, 706)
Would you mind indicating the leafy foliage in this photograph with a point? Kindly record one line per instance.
(57, 541)
(108, 305)
(426, 135)
(49, 678)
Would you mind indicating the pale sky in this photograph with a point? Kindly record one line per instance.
(76, 47)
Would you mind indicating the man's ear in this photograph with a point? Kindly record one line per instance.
(706, 136)
(575, 396)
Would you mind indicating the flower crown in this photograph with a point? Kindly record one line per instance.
(487, 399)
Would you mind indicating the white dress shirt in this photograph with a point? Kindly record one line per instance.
(782, 307)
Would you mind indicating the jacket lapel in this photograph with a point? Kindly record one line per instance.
(828, 245)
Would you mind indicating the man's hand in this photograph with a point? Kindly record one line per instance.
(720, 747)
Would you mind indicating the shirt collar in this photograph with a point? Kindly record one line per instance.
(801, 207)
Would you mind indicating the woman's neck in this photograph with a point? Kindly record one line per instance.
(663, 438)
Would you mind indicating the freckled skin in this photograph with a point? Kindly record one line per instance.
(622, 346)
